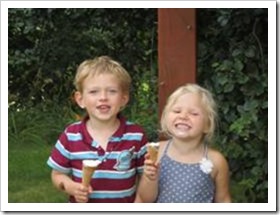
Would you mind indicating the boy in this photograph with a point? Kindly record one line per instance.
(103, 91)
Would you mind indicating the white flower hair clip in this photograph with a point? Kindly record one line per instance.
(206, 165)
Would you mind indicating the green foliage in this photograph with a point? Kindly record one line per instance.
(232, 63)
(47, 45)
(38, 125)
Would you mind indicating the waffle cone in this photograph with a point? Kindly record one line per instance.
(153, 153)
(87, 174)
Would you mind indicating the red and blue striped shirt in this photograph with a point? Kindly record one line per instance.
(123, 159)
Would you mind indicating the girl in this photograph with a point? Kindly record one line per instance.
(187, 170)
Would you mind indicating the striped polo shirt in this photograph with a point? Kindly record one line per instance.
(123, 159)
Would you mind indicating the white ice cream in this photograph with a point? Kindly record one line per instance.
(91, 163)
(153, 144)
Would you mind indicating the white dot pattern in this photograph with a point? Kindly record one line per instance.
(184, 183)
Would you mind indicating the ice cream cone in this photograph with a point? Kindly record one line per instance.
(152, 149)
(89, 166)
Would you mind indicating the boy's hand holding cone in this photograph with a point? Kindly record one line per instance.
(89, 166)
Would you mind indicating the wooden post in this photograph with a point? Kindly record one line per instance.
(176, 50)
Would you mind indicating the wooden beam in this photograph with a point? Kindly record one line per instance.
(176, 50)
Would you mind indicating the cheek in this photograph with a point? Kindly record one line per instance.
(168, 121)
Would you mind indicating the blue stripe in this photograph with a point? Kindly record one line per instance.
(62, 150)
(75, 155)
(74, 136)
(57, 167)
(94, 144)
(84, 155)
(142, 151)
(112, 194)
(95, 156)
(88, 155)
(140, 169)
(137, 137)
(115, 155)
(99, 174)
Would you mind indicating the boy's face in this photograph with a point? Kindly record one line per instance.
(102, 97)
(186, 118)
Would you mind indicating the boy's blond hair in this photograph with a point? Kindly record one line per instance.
(102, 65)
(208, 103)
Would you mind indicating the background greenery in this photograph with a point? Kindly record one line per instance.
(46, 46)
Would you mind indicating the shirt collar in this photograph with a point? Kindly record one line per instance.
(90, 141)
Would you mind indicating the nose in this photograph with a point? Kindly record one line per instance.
(184, 115)
(103, 95)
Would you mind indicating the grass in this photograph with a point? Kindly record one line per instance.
(29, 176)
(32, 134)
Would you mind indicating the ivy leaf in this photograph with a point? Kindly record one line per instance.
(228, 87)
(238, 65)
(250, 105)
(250, 52)
(222, 20)
(242, 79)
(222, 78)
(216, 64)
(236, 52)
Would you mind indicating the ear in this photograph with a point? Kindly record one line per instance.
(125, 99)
(79, 99)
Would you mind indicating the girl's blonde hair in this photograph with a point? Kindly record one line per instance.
(102, 65)
(208, 103)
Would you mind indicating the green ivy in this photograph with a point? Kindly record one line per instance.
(232, 63)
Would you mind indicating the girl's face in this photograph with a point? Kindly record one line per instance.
(186, 118)
(102, 97)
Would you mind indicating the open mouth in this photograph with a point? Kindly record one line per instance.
(103, 108)
(183, 126)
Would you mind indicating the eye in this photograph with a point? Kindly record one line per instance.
(194, 113)
(176, 111)
(93, 91)
(113, 91)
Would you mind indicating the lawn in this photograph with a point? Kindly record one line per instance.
(29, 176)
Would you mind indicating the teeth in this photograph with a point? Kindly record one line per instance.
(103, 107)
(183, 126)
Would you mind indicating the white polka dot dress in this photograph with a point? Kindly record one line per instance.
(183, 183)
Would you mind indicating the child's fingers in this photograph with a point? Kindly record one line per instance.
(150, 172)
(147, 156)
(81, 198)
(157, 164)
(83, 189)
(81, 194)
(148, 162)
(90, 190)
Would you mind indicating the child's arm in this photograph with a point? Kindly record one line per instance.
(64, 183)
(222, 194)
(138, 199)
(148, 185)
